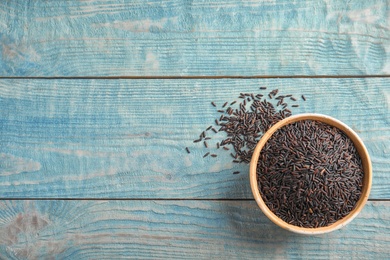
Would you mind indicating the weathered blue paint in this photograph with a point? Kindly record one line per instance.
(177, 229)
(107, 139)
(126, 138)
(176, 38)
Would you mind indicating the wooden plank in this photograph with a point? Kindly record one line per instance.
(177, 229)
(127, 138)
(179, 38)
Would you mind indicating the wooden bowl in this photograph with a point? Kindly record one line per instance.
(367, 178)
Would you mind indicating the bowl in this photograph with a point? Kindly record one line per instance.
(367, 174)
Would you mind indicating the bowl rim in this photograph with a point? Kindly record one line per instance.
(363, 153)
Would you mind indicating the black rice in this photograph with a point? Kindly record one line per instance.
(244, 121)
(310, 174)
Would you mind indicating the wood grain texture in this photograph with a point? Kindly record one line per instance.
(127, 138)
(177, 229)
(177, 38)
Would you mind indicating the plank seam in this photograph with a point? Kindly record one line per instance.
(148, 199)
(205, 77)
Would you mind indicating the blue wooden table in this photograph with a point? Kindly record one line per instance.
(98, 100)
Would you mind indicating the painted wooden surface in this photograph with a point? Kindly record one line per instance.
(195, 38)
(177, 229)
(98, 100)
(126, 138)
